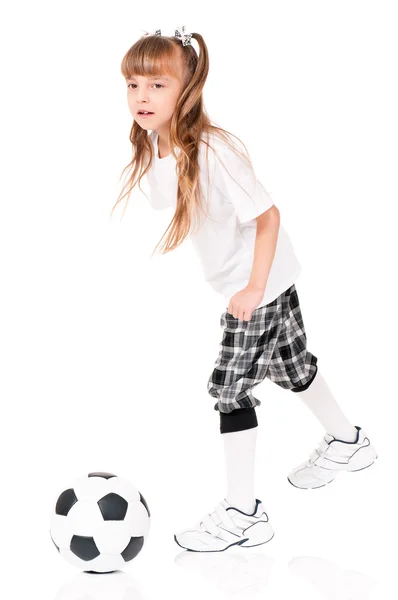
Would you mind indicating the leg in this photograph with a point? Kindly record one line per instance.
(292, 366)
(320, 400)
(242, 363)
(295, 367)
(246, 350)
(240, 452)
(239, 433)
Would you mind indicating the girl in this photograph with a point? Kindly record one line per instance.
(247, 257)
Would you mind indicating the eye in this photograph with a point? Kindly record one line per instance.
(135, 85)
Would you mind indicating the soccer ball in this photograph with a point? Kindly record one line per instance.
(100, 523)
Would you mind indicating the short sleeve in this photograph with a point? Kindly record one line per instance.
(237, 182)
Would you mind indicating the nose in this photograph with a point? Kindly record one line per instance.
(142, 97)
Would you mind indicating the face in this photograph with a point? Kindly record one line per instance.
(155, 94)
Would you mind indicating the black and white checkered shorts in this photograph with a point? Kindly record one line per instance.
(273, 344)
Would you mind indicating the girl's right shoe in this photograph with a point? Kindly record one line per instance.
(225, 527)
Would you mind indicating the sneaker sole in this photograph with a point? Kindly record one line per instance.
(242, 544)
(246, 542)
(315, 487)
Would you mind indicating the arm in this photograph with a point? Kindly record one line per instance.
(265, 246)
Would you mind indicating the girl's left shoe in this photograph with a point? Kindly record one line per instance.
(227, 526)
(330, 458)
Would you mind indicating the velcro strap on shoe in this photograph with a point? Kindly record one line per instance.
(210, 525)
(224, 517)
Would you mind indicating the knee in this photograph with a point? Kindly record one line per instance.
(238, 419)
(301, 388)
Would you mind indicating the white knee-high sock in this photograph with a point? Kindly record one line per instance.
(240, 451)
(321, 401)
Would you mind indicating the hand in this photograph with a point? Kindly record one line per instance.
(243, 303)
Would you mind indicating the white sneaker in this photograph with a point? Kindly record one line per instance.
(330, 458)
(227, 526)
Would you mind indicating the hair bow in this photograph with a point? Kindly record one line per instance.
(185, 37)
(155, 32)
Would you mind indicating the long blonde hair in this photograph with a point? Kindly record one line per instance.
(154, 55)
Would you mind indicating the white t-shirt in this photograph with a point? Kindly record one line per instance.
(225, 240)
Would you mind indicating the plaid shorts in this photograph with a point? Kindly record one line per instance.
(272, 344)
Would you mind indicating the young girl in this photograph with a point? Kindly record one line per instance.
(247, 256)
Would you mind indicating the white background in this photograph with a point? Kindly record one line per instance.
(106, 353)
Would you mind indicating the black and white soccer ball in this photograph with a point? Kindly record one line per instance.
(100, 522)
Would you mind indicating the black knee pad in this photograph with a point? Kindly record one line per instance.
(238, 419)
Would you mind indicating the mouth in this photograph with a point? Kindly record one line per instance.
(144, 113)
